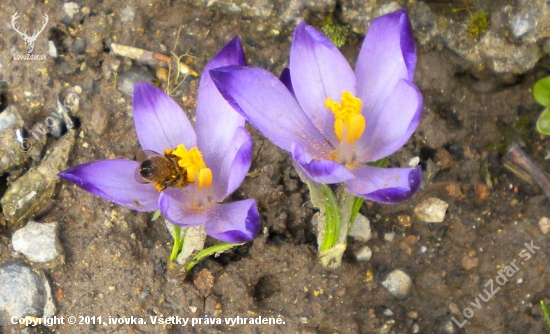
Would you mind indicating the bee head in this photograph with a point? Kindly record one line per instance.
(146, 169)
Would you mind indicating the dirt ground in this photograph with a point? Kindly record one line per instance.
(116, 259)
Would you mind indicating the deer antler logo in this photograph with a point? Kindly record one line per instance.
(29, 40)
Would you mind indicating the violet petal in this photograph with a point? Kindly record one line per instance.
(286, 80)
(234, 222)
(391, 127)
(217, 121)
(235, 164)
(265, 101)
(176, 205)
(319, 71)
(388, 55)
(159, 120)
(320, 170)
(114, 181)
(385, 185)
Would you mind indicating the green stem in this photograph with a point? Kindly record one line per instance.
(333, 222)
(218, 248)
(357, 204)
(178, 243)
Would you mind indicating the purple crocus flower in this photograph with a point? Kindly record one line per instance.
(334, 120)
(216, 158)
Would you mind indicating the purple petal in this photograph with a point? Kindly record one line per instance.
(234, 222)
(270, 107)
(385, 185)
(160, 122)
(177, 206)
(388, 55)
(319, 71)
(234, 166)
(114, 181)
(286, 80)
(389, 128)
(217, 121)
(322, 170)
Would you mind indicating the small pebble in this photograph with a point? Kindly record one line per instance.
(431, 210)
(52, 50)
(360, 230)
(544, 225)
(38, 241)
(481, 193)
(453, 189)
(79, 46)
(389, 236)
(404, 220)
(522, 23)
(469, 263)
(128, 14)
(388, 313)
(398, 283)
(363, 254)
(71, 8)
(412, 315)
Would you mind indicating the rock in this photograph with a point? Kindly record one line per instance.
(359, 16)
(544, 225)
(481, 192)
(126, 80)
(12, 152)
(398, 283)
(530, 23)
(31, 192)
(128, 14)
(24, 293)
(360, 230)
(469, 263)
(363, 254)
(52, 50)
(100, 118)
(10, 118)
(71, 9)
(79, 46)
(38, 241)
(431, 210)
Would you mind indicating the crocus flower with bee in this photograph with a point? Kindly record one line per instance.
(187, 172)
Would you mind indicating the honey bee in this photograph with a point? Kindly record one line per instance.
(162, 170)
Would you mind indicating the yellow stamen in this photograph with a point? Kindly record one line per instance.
(191, 160)
(205, 178)
(349, 123)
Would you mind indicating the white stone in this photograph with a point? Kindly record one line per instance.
(431, 210)
(38, 241)
(71, 8)
(544, 225)
(360, 230)
(398, 283)
(52, 50)
(363, 254)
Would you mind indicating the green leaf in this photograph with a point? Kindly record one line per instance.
(541, 91)
(543, 123)
(218, 248)
(156, 215)
(546, 312)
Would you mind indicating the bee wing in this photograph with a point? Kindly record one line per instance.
(143, 155)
